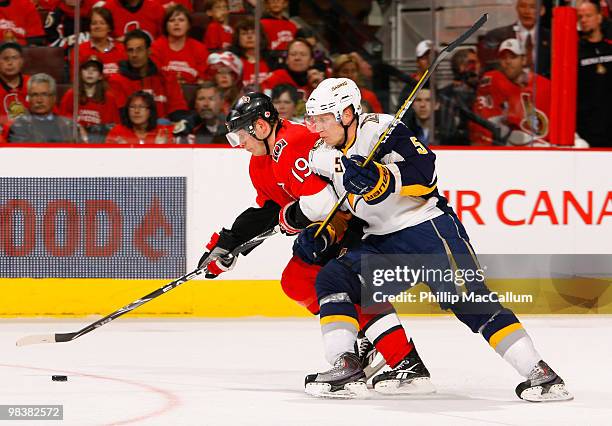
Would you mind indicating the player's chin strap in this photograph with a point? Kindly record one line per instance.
(346, 128)
(265, 139)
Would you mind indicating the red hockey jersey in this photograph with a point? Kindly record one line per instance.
(187, 65)
(248, 72)
(14, 101)
(165, 89)
(19, 20)
(110, 58)
(279, 32)
(290, 171)
(169, 3)
(91, 112)
(524, 109)
(218, 36)
(148, 17)
(281, 76)
(124, 135)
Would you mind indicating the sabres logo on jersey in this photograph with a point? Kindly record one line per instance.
(278, 149)
(317, 144)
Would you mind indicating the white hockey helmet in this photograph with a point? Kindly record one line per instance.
(334, 95)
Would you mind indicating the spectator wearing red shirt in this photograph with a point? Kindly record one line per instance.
(295, 72)
(20, 22)
(129, 15)
(98, 110)
(225, 69)
(13, 83)
(139, 72)
(346, 66)
(139, 123)
(279, 30)
(243, 45)
(187, 4)
(219, 33)
(100, 43)
(515, 99)
(176, 53)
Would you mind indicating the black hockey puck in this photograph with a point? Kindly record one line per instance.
(59, 378)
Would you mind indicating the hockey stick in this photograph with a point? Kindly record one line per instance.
(405, 106)
(66, 337)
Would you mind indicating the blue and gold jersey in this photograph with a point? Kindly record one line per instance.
(415, 197)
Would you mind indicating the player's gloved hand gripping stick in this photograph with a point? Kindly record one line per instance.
(406, 105)
(66, 337)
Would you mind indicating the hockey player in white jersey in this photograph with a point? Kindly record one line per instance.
(397, 196)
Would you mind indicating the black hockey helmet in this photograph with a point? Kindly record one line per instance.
(246, 110)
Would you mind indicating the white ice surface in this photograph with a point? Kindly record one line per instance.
(251, 372)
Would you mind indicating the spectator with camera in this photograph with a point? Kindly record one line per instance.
(457, 98)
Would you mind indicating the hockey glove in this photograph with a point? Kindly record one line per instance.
(285, 221)
(216, 260)
(374, 182)
(311, 249)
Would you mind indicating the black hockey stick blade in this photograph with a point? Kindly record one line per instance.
(404, 107)
(463, 37)
(67, 337)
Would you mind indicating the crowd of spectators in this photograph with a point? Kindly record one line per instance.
(158, 71)
(500, 93)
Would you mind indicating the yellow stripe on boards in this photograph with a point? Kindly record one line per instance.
(50, 297)
(503, 333)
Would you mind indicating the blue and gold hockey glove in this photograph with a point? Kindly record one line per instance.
(374, 182)
(311, 249)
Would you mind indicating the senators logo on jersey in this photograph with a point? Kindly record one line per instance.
(278, 149)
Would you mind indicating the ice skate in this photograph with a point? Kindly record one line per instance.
(543, 385)
(409, 377)
(345, 380)
(371, 360)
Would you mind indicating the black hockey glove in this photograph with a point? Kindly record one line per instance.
(310, 249)
(216, 260)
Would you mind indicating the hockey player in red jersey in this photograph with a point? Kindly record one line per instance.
(280, 174)
(514, 98)
(290, 195)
